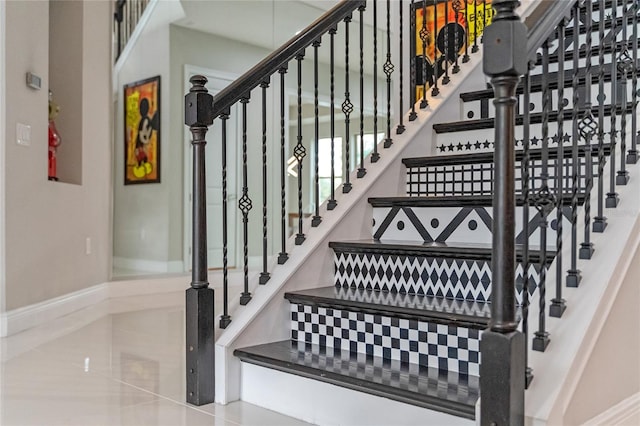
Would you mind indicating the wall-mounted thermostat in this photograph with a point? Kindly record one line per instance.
(34, 81)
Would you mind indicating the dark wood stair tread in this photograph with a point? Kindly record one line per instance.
(488, 123)
(453, 200)
(447, 392)
(440, 310)
(466, 251)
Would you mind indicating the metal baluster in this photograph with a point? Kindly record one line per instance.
(317, 219)
(573, 274)
(587, 129)
(375, 156)
(632, 158)
(446, 79)
(245, 204)
(362, 171)
(424, 38)
(600, 221)
(466, 58)
(475, 47)
(414, 79)
(299, 151)
(388, 70)
(400, 129)
(435, 91)
(558, 305)
(225, 319)
(525, 175)
(544, 202)
(625, 66)
(612, 195)
(484, 19)
(457, 5)
(332, 203)
(199, 303)
(347, 107)
(264, 275)
(283, 256)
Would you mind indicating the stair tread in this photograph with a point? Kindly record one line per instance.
(461, 313)
(448, 392)
(450, 200)
(469, 251)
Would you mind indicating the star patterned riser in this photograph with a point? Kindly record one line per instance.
(453, 225)
(438, 346)
(440, 277)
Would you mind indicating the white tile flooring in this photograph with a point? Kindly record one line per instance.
(118, 363)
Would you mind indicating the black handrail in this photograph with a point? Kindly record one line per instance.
(543, 21)
(272, 63)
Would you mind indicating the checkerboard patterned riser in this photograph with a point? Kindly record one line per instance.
(431, 345)
(440, 277)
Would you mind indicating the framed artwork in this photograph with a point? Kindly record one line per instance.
(142, 131)
(479, 14)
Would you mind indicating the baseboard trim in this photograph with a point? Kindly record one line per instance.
(40, 313)
(616, 415)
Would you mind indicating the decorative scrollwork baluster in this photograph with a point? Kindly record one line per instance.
(400, 129)
(225, 318)
(600, 221)
(388, 70)
(612, 196)
(299, 152)
(414, 79)
(264, 275)
(436, 70)
(457, 5)
(332, 203)
(317, 219)
(283, 256)
(375, 156)
(632, 157)
(245, 205)
(347, 108)
(625, 67)
(424, 38)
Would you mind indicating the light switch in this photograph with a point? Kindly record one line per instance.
(23, 134)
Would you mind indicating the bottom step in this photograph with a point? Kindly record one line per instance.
(447, 392)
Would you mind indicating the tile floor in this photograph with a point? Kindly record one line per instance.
(118, 363)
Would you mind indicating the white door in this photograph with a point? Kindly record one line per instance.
(213, 167)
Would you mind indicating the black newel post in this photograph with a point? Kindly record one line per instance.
(502, 371)
(199, 303)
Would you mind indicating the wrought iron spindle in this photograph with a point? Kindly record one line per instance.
(347, 108)
(466, 58)
(600, 221)
(283, 256)
(612, 195)
(424, 38)
(544, 202)
(436, 74)
(412, 64)
(400, 129)
(332, 203)
(299, 152)
(446, 79)
(558, 305)
(484, 19)
(573, 274)
(375, 156)
(199, 303)
(526, 176)
(625, 66)
(388, 70)
(317, 219)
(225, 319)
(362, 171)
(457, 5)
(264, 275)
(588, 127)
(244, 205)
(475, 47)
(632, 158)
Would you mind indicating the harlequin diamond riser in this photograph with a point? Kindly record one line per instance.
(445, 347)
(431, 276)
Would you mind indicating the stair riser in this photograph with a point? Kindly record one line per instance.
(457, 224)
(443, 277)
(427, 344)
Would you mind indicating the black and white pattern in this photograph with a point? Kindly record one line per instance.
(430, 276)
(453, 225)
(430, 345)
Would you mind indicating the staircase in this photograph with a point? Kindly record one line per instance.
(395, 337)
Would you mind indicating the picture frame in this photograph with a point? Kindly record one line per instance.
(142, 131)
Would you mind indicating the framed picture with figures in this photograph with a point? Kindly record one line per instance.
(142, 131)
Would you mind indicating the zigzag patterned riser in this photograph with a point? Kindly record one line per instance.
(456, 224)
(430, 345)
(440, 277)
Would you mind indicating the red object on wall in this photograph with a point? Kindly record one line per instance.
(54, 143)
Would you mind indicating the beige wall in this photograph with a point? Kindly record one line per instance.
(2, 161)
(47, 223)
(612, 373)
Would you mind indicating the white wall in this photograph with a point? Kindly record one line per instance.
(47, 223)
(2, 155)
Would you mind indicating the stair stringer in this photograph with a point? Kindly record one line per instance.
(266, 317)
(558, 370)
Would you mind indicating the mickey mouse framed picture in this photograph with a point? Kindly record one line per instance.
(142, 131)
